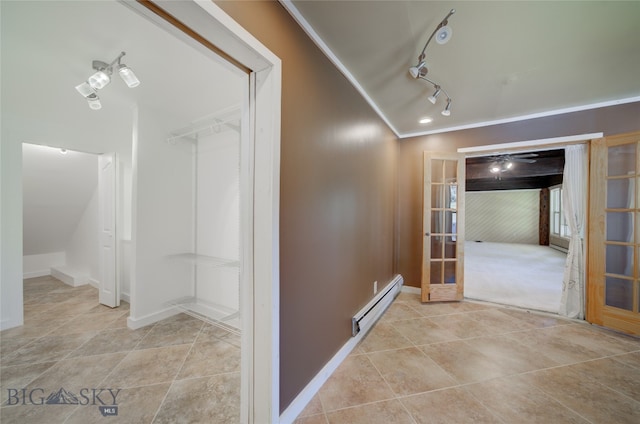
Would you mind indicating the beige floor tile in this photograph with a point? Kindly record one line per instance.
(462, 326)
(602, 342)
(383, 337)
(433, 309)
(513, 357)
(149, 366)
(210, 358)
(613, 374)
(202, 400)
(78, 373)
(591, 400)
(312, 419)
(171, 333)
(110, 341)
(423, 331)
(135, 406)
(19, 376)
(514, 401)
(464, 363)
(314, 407)
(355, 382)
(47, 349)
(385, 412)
(85, 322)
(560, 349)
(409, 371)
(9, 346)
(446, 407)
(500, 322)
(539, 320)
(632, 359)
(398, 311)
(35, 414)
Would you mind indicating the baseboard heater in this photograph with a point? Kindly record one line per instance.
(368, 315)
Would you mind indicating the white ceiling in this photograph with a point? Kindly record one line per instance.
(48, 47)
(507, 60)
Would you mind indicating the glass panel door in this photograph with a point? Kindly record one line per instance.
(442, 276)
(614, 247)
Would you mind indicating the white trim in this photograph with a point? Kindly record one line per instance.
(260, 401)
(34, 274)
(135, 323)
(529, 143)
(306, 26)
(123, 296)
(526, 117)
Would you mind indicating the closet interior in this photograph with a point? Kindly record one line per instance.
(211, 268)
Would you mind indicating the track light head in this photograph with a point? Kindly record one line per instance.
(128, 76)
(419, 70)
(85, 89)
(447, 110)
(94, 102)
(432, 98)
(99, 80)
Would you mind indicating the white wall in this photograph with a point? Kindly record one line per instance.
(83, 248)
(163, 218)
(504, 216)
(218, 224)
(40, 265)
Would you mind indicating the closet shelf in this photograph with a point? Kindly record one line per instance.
(211, 261)
(214, 314)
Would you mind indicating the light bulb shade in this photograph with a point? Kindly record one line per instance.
(128, 76)
(494, 169)
(99, 80)
(447, 110)
(85, 89)
(443, 34)
(94, 102)
(419, 70)
(434, 96)
(508, 165)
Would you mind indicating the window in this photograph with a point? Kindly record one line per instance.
(559, 226)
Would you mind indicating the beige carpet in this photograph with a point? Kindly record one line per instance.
(523, 275)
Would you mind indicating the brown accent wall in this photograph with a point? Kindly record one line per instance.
(611, 120)
(338, 197)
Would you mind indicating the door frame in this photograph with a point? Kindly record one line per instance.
(543, 144)
(205, 26)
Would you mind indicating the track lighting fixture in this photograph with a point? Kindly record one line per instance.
(447, 109)
(102, 77)
(432, 98)
(442, 34)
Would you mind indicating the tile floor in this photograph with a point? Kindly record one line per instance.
(437, 363)
(480, 363)
(168, 372)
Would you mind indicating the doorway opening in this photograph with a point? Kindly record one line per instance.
(515, 253)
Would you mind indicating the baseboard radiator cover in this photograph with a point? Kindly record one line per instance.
(368, 315)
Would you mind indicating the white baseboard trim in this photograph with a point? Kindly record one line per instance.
(135, 323)
(126, 297)
(412, 290)
(70, 276)
(94, 283)
(34, 274)
(294, 409)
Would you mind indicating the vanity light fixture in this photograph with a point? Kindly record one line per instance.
(102, 77)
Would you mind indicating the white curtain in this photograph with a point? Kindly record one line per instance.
(574, 192)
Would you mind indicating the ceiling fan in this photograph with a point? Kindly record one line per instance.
(503, 163)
